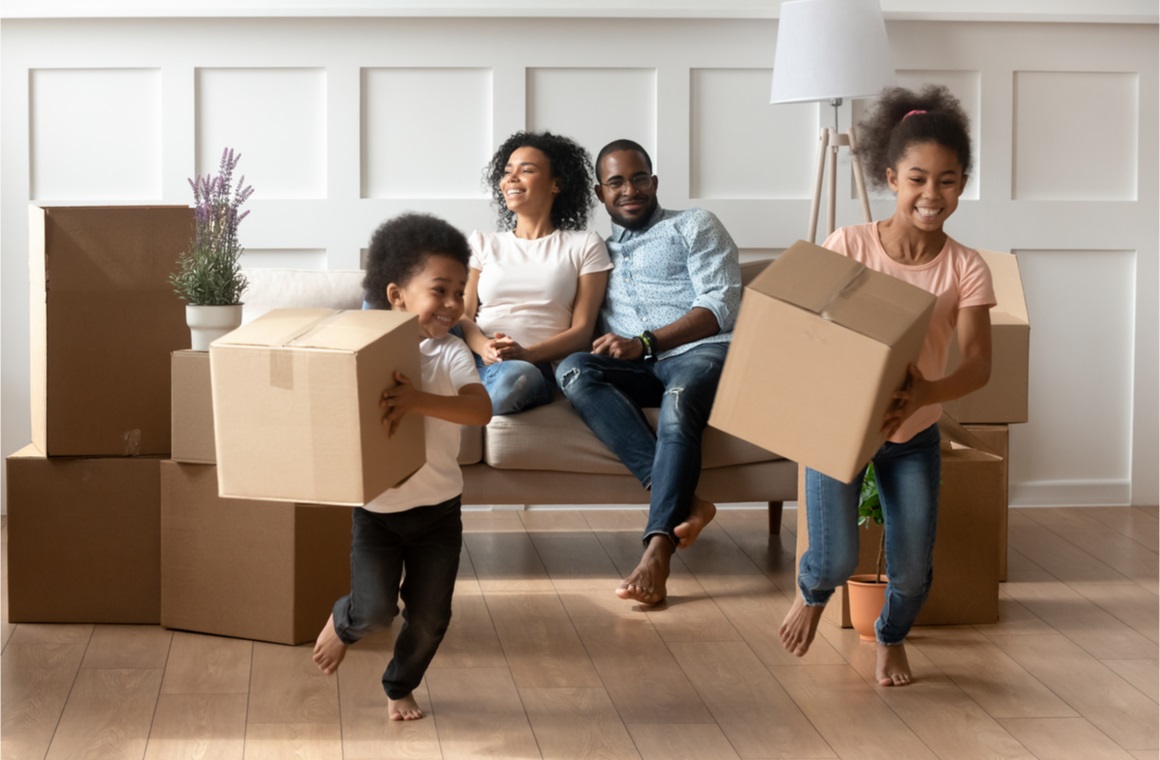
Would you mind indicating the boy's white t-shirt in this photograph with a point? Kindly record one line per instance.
(447, 365)
(527, 288)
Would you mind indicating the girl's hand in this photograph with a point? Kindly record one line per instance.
(398, 401)
(906, 401)
(506, 349)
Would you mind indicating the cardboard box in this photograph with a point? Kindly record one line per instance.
(965, 589)
(104, 320)
(1004, 398)
(192, 403)
(820, 346)
(296, 406)
(83, 539)
(250, 569)
(997, 439)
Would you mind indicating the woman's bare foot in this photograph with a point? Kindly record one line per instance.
(893, 668)
(404, 708)
(646, 584)
(799, 627)
(329, 649)
(701, 514)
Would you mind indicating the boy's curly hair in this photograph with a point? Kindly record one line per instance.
(400, 247)
(570, 166)
(886, 133)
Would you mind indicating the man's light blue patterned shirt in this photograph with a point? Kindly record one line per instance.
(680, 260)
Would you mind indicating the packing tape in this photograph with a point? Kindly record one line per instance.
(298, 336)
(843, 292)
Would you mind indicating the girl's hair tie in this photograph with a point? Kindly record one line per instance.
(912, 113)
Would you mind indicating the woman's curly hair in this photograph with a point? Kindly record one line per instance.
(401, 246)
(886, 133)
(570, 166)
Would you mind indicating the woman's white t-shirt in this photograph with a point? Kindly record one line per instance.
(527, 288)
(447, 365)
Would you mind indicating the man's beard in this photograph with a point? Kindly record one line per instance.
(638, 223)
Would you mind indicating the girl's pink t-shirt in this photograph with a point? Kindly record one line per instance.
(957, 276)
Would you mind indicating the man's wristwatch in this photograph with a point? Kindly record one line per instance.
(649, 341)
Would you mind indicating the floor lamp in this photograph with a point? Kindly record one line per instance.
(828, 50)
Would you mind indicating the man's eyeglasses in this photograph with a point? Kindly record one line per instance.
(640, 181)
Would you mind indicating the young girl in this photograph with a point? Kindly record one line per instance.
(919, 146)
(413, 533)
(534, 288)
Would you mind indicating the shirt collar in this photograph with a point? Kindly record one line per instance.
(620, 233)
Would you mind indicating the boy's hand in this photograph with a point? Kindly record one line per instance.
(399, 401)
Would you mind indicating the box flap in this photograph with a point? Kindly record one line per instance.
(1012, 305)
(323, 329)
(843, 291)
(955, 435)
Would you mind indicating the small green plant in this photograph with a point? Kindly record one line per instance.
(870, 513)
(210, 273)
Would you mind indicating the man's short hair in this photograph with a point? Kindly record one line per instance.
(622, 144)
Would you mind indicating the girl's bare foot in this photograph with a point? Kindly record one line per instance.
(329, 649)
(799, 627)
(701, 514)
(646, 584)
(404, 708)
(893, 668)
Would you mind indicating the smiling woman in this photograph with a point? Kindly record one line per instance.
(535, 287)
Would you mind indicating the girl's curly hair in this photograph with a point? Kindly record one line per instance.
(570, 167)
(887, 132)
(401, 246)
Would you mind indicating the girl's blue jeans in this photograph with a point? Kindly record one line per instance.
(908, 484)
(413, 555)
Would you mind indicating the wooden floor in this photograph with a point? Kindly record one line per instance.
(543, 661)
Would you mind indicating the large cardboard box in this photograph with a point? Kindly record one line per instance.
(965, 589)
(251, 569)
(192, 402)
(1004, 398)
(820, 346)
(997, 440)
(296, 406)
(83, 539)
(104, 320)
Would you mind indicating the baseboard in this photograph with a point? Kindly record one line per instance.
(1071, 493)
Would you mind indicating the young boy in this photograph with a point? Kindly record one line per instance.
(406, 542)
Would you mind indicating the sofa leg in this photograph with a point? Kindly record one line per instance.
(774, 518)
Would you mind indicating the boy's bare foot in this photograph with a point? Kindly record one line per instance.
(329, 649)
(701, 514)
(893, 668)
(404, 708)
(646, 584)
(799, 627)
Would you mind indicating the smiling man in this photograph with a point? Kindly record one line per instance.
(668, 315)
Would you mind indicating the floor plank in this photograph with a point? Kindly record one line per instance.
(478, 713)
(1142, 674)
(108, 715)
(1064, 739)
(691, 741)
(287, 687)
(128, 646)
(202, 726)
(35, 682)
(507, 561)
(367, 731)
(301, 741)
(539, 642)
(200, 664)
(1134, 606)
(578, 723)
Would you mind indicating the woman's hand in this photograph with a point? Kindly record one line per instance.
(906, 401)
(399, 401)
(611, 344)
(504, 348)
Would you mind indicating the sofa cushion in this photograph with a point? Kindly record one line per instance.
(300, 289)
(553, 437)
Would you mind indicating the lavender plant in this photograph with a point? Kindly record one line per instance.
(210, 273)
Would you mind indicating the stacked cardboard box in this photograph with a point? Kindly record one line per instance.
(84, 499)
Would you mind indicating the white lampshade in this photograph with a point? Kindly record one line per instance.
(829, 49)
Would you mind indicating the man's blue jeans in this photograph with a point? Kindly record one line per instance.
(414, 555)
(908, 484)
(609, 394)
(516, 385)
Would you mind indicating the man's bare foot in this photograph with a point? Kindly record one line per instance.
(405, 708)
(799, 627)
(646, 584)
(701, 514)
(329, 649)
(893, 668)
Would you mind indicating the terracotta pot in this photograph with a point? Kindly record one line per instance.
(867, 596)
(208, 323)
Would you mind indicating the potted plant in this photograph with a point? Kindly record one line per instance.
(209, 276)
(867, 593)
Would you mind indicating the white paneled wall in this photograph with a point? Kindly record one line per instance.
(343, 122)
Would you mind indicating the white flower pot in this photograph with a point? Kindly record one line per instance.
(208, 323)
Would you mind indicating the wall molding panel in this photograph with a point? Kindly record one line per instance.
(345, 119)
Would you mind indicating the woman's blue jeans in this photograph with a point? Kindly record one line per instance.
(609, 394)
(414, 555)
(908, 484)
(516, 385)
